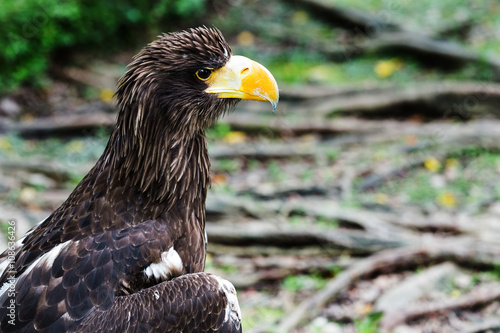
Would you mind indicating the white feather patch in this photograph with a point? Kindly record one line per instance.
(46, 259)
(233, 307)
(169, 266)
(15, 248)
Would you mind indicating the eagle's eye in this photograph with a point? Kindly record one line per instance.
(204, 73)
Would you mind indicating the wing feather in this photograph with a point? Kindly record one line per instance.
(190, 303)
(67, 282)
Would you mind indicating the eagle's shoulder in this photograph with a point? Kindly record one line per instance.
(61, 286)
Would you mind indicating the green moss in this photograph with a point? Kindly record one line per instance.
(369, 323)
(296, 283)
(218, 131)
(36, 30)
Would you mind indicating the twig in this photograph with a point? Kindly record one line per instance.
(461, 252)
(357, 242)
(379, 36)
(478, 296)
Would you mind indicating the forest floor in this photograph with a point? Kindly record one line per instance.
(369, 201)
(351, 221)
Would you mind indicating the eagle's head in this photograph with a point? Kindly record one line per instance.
(186, 80)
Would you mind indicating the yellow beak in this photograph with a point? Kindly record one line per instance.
(245, 79)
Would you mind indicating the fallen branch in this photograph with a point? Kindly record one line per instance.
(443, 99)
(491, 324)
(345, 17)
(443, 53)
(65, 125)
(461, 252)
(373, 224)
(251, 271)
(263, 250)
(357, 242)
(378, 35)
(56, 171)
(446, 100)
(478, 296)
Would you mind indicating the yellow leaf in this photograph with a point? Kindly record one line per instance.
(245, 38)
(5, 143)
(363, 309)
(27, 195)
(381, 198)
(75, 146)
(235, 137)
(28, 118)
(219, 179)
(106, 95)
(385, 68)
(455, 293)
(447, 199)
(451, 163)
(300, 17)
(432, 164)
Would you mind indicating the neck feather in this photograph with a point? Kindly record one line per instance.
(164, 167)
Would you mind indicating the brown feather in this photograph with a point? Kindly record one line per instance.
(145, 195)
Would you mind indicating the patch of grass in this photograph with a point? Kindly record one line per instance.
(299, 221)
(229, 269)
(307, 175)
(494, 273)
(227, 165)
(419, 190)
(218, 131)
(74, 179)
(258, 315)
(336, 270)
(4, 228)
(369, 323)
(13, 195)
(275, 171)
(253, 164)
(68, 153)
(223, 189)
(332, 154)
(296, 283)
(458, 183)
(325, 222)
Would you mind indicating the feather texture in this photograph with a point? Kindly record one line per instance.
(103, 260)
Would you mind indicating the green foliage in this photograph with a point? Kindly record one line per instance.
(256, 316)
(369, 323)
(4, 227)
(74, 179)
(326, 222)
(253, 164)
(295, 283)
(307, 175)
(494, 273)
(332, 154)
(229, 269)
(34, 30)
(227, 165)
(275, 171)
(69, 154)
(223, 189)
(219, 131)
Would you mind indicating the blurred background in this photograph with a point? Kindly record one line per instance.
(367, 202)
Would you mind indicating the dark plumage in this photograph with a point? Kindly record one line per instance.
(126, 250)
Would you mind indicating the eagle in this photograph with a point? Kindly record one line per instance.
(126, 251)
